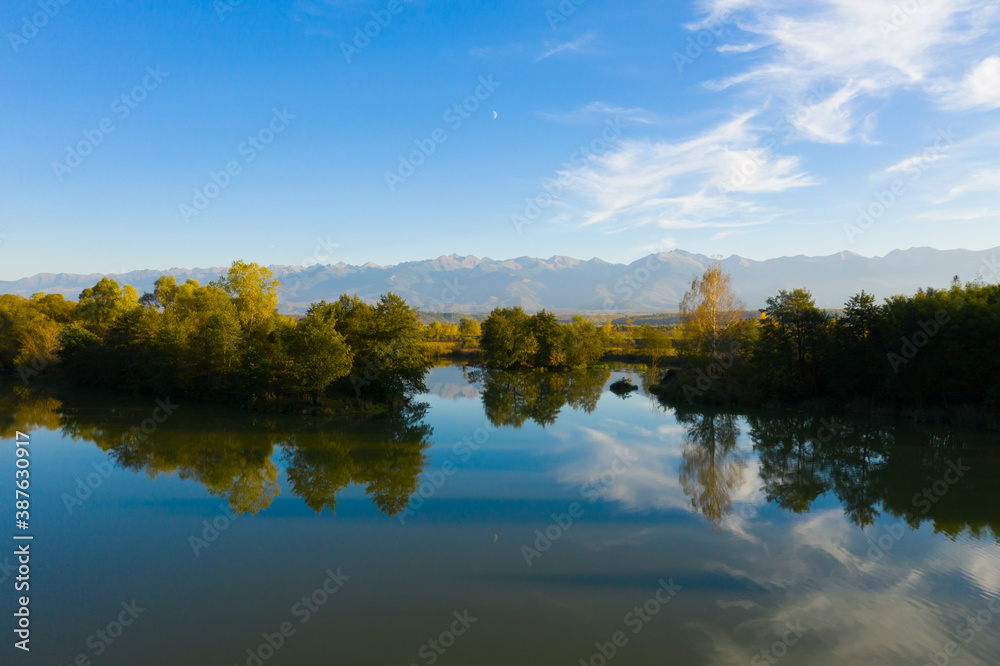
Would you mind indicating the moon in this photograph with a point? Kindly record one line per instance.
(494, 115)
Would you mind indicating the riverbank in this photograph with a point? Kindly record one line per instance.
(678, 389)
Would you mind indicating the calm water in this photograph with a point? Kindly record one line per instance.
(516, 520)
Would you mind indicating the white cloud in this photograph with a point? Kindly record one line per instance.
(596, 111)
(739, 48)
(702, 181)
(982, 180)
(917, 161)
(980, 89)
(861, 50)
(960, 215)
(664, 245)
(576, 46)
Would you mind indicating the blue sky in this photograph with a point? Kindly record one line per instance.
(163, 134)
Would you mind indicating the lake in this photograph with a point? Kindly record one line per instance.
(513, 519)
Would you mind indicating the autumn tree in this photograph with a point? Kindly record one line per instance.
(469, 327)
(655, 343)
(101, 304)
(584, 343)
(254, 292)
(712, 315)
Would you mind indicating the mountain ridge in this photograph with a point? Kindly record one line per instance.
(653, 283)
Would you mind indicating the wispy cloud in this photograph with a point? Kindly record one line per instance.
(917, 161)
(982, 180)
(578, 45)
(739, 48)
(862, 50)
(959, 215)
(688, 183)
(598, 111)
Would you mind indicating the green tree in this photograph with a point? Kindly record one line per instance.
(318, 353)
(386, 340)
(655, 343)
(550, 339)
(585, 343)
(792, 342)
(469, 327)
(254, 292)
(55, 307)
(507, 340)
(101, 304)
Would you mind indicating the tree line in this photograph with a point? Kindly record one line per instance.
(224, 341)
(510, 339)
(513, 339)
(937, 348)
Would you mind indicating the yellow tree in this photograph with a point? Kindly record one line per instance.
(101, 304)
(254, 292)
(711, 313)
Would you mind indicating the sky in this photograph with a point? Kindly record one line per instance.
(155, 134)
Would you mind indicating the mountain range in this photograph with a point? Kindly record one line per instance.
(655, 283)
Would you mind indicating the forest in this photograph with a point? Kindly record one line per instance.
(224, 341)
(937, 349)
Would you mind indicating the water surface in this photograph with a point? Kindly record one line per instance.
(514, 519)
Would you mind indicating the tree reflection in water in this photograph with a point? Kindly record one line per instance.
(511, 398)
(231, 453)
(870, 466)
(712, 466)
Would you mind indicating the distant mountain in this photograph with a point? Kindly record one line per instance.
(652, 284)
